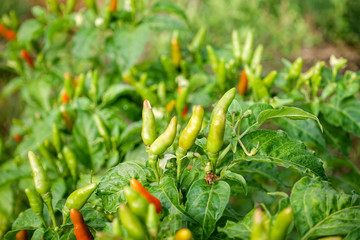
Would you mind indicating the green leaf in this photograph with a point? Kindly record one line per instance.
(116, 91)
(110, 189)
(321, 211)
(162, 22)
(304, 130)
(240, 229)
(89, 148)
(28, 31)
(169, 225)
(284, 112)
(206, 203)
(12, 86)
(345, 115)
(27, 220)
(236, 178)
(128, 45)
(169, 7)
(86, 43)
(276, 147)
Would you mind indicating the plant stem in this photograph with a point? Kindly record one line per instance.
(47, 199)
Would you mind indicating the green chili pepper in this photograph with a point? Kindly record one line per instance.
(70, 5)
(216, 134)
(296, 67)
(93, 91)
(181, 100)
(101, 128)
(198, 40)
(248, 48)
(213, 58)
(48, 156)
(148, 130)
(168, 66)
(152, 221)
(258, 231)
(316, 77)
(131, 223)
(36, 203)
(164, 140)
(56, 138)
(41, 181)
(269, 79)
(256, 60)
(52, 5)
(71, 161)
(80, 86)
(236, 45)
(77, 199)
(281, 224)
(331, 238)
(328, 90)
(221, 74)
(116, 228)
(137, 203)
(192, 129)
(91, 4)
(224, 102)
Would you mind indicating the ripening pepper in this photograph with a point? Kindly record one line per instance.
(8, 34)
(113, 5)
(176, 55)
(216, 134)
(21, 235)
(137, 186)
(183, 234)
(26, 56)
(183, 93)
(81, 230)
(243, 83)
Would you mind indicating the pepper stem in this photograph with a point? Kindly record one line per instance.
(47, 199)
(213, 157)
(153, 161)
(180, 154)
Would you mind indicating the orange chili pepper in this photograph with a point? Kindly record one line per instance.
(8, 34)
(185, 111)
(65, 98)
(81, 230)
(137, 186)
(113, 5)
(242, 85)
(22, 235)
(26, 56)
(17, 138)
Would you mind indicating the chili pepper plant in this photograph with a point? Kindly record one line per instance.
(119, 141)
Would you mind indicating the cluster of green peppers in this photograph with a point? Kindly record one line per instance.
(156, 146)
(76, 199)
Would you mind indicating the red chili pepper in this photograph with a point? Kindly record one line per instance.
(65, 98)
(8, 34)
(242, 85)
(81, 230)
(179, 89)
(137, 186)
(17, 138)
(113, 5)
(185, 111)
(26, 56)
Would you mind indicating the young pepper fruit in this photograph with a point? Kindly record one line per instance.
(164, 140)
(216, 134)
(36, 204)
(81, 230)
(77, 199)
(137, 203)
(258, 230)
(224, 102)
(152, 221)
(282, 222)
(137, 186)
(131, 223)
(148, 130)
